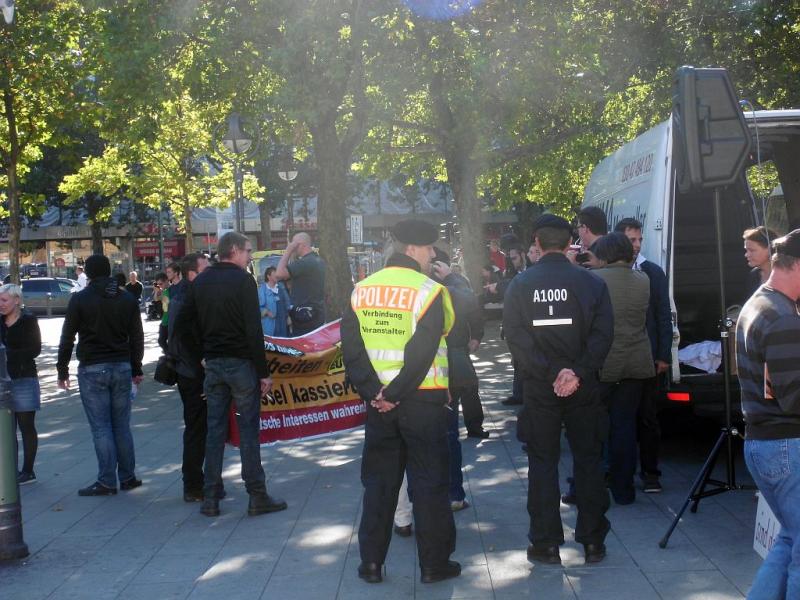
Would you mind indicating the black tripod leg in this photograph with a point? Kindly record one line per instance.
(698, 495)
(699, 480)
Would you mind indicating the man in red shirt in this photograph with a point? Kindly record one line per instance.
(497, 256)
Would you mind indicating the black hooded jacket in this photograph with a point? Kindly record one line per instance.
(109, 327)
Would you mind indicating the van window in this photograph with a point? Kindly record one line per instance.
(766, 190)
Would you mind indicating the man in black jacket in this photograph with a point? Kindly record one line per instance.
(110, 349)
(221, 306)
(558, 323)
(466, 334)
(659, 330)
(464, 338)
(187, 356)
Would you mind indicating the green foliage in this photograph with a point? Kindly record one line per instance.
(520, 98)
(41, 68)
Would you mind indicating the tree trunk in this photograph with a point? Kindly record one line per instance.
(331, 216)
(265, 239)
(458, 146)
(97, 238)
(461, 174)
(187, 225)
(14, 222)
(526, 212)
(93, 206)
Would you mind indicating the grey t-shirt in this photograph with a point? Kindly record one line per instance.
(308, 280)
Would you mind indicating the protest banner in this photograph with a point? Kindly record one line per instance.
(310, 395)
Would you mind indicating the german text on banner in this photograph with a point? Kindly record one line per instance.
(310, 395)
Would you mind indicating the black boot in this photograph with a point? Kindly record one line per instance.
(264, 503)
(210, 507)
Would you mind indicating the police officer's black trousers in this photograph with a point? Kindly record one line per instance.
(412, 438)
(586, 421)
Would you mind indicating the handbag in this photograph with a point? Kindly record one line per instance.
(165, 371)
(303, 313)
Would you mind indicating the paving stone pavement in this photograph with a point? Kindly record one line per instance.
(149, 544)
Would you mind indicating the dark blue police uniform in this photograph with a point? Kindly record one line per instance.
(558, 316)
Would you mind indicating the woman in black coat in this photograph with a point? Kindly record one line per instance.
(20, 334)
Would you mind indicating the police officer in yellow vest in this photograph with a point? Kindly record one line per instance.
(393, 343)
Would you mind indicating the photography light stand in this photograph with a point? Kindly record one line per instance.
(729, 432)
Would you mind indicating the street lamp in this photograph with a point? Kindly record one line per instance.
(236, 146)
(287, 171)
(7, 6)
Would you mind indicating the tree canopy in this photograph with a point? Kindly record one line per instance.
(510, 103)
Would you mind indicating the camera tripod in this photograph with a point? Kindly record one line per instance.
(704, 485)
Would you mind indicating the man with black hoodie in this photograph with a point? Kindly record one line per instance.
(110, 349)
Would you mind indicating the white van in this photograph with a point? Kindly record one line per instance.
(639, 181)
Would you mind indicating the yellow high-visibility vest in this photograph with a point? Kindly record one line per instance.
(389, 304)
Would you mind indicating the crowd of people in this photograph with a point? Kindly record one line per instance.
(589, 326)
(587, 321)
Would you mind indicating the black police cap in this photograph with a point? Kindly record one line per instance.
(553, 222)
(415, 232)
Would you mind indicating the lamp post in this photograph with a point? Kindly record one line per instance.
(12, 545)
(7, 6)
(236, 146)
(287, 171)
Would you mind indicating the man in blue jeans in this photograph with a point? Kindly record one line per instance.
(768, 361)
(221, 309)
(110, 349)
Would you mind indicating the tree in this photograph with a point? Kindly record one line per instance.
(40, 64)
(468, 97)
(304, 64)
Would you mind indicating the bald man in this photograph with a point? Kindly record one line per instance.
(307, 285)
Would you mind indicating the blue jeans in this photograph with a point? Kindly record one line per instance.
(775, 467)
(233, 379)
(106, 396)
(456, 476)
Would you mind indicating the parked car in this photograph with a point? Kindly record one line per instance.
(47, 295)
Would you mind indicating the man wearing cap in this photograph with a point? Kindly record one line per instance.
(110, 349)
(767, 359)
(558, 323)
(393, 344)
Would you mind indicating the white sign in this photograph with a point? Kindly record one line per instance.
(356, 229)
(225, 220)
(767, 528)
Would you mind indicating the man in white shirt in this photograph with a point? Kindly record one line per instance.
(82, 279)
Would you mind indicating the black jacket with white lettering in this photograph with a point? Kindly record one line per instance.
(557, 315)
